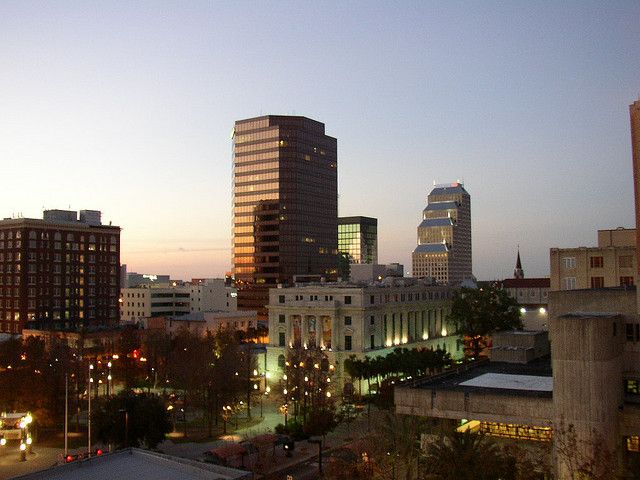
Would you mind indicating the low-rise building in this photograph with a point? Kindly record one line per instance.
(203, 322)
(176, 298)
(346, 319)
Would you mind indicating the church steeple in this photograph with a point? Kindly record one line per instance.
(518, 272)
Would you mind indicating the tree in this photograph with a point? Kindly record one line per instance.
(467, 456)
(307, 384)
(129, 420)
(477, 313)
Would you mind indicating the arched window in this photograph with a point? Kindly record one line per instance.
(57, 236)
(281, 361)
(32, 235)
(69, 237)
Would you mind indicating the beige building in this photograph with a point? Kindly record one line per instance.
(177, 298)
(347, 319)
(203, 322)
(444, 236)
(612, 263)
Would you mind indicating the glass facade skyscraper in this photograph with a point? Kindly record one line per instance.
(358, 238)
(285, 204)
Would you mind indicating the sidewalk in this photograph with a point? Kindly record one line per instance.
(11, 466)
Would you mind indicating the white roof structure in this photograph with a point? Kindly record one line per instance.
(511, 382)
(138, 464)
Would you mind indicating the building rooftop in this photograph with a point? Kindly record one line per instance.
(431, 248)
(530, 379)
(526, 283)
(448, 189)
(140, 464)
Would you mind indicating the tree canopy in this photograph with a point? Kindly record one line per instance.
(129, 420)
(477, 313)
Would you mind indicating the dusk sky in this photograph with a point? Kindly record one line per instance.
(127, 107)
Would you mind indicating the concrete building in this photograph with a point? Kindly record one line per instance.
(634, 115)
(612, 263)
(203, 322)
(146, 301)
(358, 238)
(58, 272)
(143, 464)
(346, 319)
(589, 383)
(444, 236)
(176, 298)
(211, 294)
(285, 205)
(370, 272)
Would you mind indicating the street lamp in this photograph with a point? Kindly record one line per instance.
(226, 413)
(109, 378)
(89, 413)
(284, 409)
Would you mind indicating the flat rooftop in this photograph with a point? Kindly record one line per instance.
(530, 379)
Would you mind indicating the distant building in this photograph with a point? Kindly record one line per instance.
(344, 319)
(285, 205)
(444, 236)
(202, 322)
(612, 263)
(532, 294)
(358, 238)
(369, 272)
(59, 272)
(181, 298)
(212, 294)
(136, 279)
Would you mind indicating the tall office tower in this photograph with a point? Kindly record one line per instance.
(358, 238)
(285, 205)
(634, 113)
(60, 272)
(444, 236)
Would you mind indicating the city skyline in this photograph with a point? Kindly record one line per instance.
(128, 109)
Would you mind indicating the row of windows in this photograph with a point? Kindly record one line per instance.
(569, 283)
(624, 261)
(386, 298)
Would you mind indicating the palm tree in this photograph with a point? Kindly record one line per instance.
(467, 456)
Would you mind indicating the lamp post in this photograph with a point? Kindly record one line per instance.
(109, 378)
(23, 445)
(89, 413)
(284, 409)
(226, 413)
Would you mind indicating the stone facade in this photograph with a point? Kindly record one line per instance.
(345, 319)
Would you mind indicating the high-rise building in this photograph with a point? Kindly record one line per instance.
(285, 205)
(358, 238)
(634, 113)
(444, 236)
(58, 272)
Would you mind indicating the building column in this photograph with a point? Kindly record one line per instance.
(334, 339)
(304, 324)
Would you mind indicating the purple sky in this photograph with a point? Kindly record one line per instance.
(127, 107)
